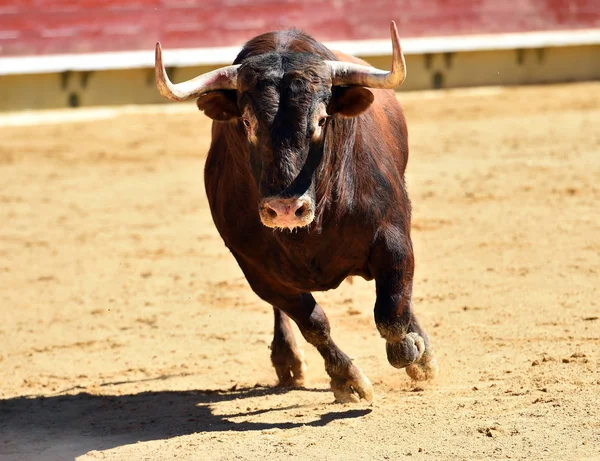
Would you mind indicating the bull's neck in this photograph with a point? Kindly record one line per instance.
(334, 192)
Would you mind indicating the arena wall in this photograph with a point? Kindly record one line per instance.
(61, 53)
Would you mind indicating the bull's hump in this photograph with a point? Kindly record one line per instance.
(284, 41)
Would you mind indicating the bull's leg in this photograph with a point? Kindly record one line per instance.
(348, 382)
(286, 356)
(407, 344)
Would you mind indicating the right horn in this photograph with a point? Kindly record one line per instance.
(351, 74)
(224, 78)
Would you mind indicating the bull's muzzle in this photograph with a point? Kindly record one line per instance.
(287, 213)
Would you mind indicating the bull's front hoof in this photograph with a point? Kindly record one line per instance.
(425, 369)
(350, 390)
(406, 351)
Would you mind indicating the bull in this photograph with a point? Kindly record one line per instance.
(305, 181)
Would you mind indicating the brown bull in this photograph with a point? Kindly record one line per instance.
(305, 180)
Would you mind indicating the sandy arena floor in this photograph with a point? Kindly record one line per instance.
(127, 331)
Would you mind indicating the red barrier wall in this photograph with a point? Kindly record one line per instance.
(77, 26)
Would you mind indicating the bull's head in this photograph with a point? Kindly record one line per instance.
(283, 101)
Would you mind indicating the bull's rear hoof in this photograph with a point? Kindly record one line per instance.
(405, 352)
(292, 372)
(425, 369)
(352, 389)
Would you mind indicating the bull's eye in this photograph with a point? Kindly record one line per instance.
(322, 121)
(246, 123)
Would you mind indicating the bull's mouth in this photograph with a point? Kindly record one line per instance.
(287, 213)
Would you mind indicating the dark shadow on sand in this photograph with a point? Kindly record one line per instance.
(31, 428)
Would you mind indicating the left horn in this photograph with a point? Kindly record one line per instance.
(224, 78)
(351, 74)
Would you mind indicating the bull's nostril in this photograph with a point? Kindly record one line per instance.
(271, 212)
(301, 211)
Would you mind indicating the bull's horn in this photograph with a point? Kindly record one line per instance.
(224, 78)
(351, 74)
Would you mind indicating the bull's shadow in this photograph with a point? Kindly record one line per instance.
(66, 426)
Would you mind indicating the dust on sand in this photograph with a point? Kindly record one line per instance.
(128, 332)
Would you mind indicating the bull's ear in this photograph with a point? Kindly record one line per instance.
(219, 105)
(350, 101)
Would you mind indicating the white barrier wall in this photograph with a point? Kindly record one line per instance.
(128, 78)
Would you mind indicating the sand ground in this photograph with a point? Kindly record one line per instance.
(127, 331)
